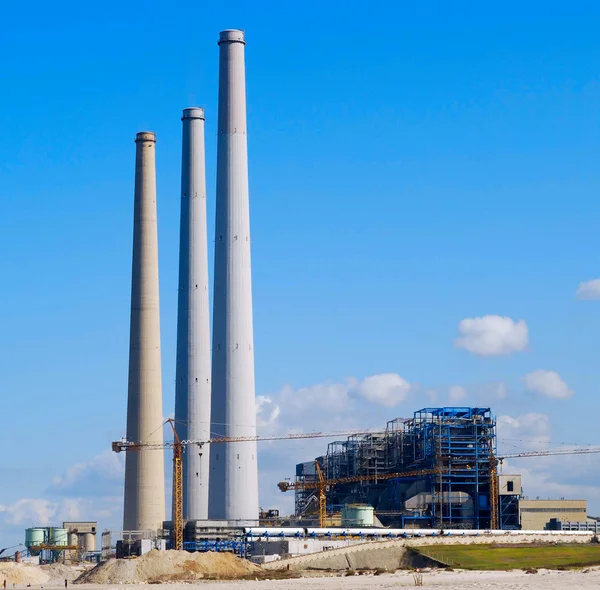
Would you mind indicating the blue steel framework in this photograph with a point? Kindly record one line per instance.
(460, 442)
(509, 512)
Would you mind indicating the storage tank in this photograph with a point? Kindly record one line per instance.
(34, 537)
(90, 542)
(357, 515)
(58, 536)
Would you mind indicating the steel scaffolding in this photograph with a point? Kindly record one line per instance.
(460, 443)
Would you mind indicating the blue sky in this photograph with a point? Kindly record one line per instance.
(411, 166)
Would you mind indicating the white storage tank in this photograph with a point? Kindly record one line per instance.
(90, 542)
(358, 515)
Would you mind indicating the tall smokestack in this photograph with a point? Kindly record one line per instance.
(234, 473)
(144, 469)
(192, 389)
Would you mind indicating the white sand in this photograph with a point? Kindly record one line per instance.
(168, 566)
(458, 580)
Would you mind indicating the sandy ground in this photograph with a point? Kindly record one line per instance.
(516, 580)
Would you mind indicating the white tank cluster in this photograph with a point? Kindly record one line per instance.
(218, 399)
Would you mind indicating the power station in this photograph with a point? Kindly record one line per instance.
(435, 475)
(435, 471)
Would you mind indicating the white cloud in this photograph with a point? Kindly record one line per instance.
(29, 511)
(492, 335)
(589, 290)
(101, 471)
(44, 511)
(527, 432)
(457, 393)
(387, 389)
(267, 411)
(344, 405)
(548, 384)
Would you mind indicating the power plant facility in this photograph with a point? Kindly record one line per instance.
(436, 470)
(436, 474)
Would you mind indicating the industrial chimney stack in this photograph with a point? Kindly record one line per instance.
(192, 389)
(144, 469)
(234, 472)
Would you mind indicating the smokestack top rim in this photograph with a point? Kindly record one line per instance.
(193, 113)
(145, 136)
(232, 36)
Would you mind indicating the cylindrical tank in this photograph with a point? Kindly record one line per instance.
(34, 537)
(73, 539)
(90, 542)
(357, 515)
(58, 536)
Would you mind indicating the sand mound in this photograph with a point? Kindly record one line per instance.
(166, 566)
(22, 573)
(58, 572)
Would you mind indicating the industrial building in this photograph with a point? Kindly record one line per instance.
(536, 514)
(73, 542)
(83, 535)
(436, 470)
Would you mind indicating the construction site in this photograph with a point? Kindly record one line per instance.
(437, 470)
